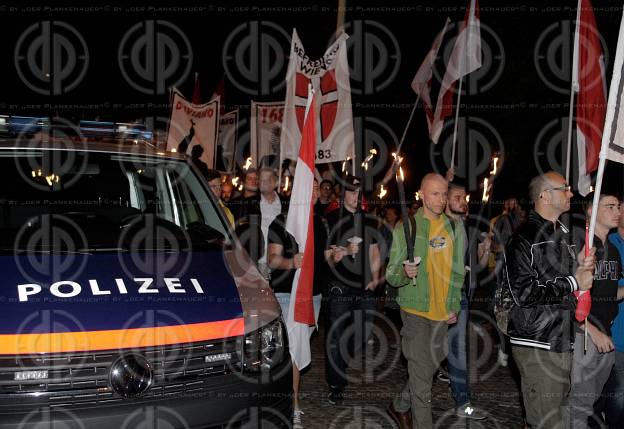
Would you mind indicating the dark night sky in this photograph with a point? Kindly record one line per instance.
(515, 104)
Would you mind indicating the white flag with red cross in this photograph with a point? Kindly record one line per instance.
(329, 77)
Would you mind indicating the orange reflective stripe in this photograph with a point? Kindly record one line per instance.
(119, 339)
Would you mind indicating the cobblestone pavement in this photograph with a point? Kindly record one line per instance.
(378, 373)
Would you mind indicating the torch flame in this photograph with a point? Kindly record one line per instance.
(382, 192)
(247, 164)
(485, 190)
(344, 164)
(495, 166)
(370, 156)
(286, 183)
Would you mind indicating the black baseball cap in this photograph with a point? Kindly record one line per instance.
(352, 183)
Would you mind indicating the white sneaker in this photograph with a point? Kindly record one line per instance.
(503, 358)
(297, 413)
(469, 412)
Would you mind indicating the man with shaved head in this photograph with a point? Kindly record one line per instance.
(542, 272)
(429, 297)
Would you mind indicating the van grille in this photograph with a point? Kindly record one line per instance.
(84, 378)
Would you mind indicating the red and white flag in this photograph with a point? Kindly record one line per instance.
(329, 77)
(300, 224)
(421, 84)
(465, 58)
(588, 80)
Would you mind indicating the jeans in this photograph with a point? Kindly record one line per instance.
(614, 409)
(350, 315)
(457, 356)
(590, 372)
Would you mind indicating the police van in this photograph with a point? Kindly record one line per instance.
(126, 299)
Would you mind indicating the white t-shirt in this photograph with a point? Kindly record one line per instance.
(269, 212)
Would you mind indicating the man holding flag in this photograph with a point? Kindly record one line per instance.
(540, 277)
(612, 146)
(592, 362)
(300, 312)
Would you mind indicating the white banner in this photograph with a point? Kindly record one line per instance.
(193, 124)
(226, 146)
(329, 77)
(266, 127)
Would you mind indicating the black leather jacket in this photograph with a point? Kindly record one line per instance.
(540, 262)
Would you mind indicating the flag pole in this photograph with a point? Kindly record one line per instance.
(409, 121)
(340, 18)
(459, 92)
(392, 171)
(573, 89)
(569, 144)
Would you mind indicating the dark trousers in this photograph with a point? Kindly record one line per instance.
(614, 407)
(350, 315)
(457, 355)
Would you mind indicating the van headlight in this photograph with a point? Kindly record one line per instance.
(265, 348)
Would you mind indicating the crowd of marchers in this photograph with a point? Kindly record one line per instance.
(422, 270)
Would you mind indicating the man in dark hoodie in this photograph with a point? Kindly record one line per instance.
(591, 367)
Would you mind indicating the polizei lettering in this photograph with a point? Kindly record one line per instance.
(142, 285)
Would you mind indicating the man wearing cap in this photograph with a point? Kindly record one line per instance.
(429, 297)
(354, 270)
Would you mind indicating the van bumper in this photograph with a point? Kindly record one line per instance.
(249, 401)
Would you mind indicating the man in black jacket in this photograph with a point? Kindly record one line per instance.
(542, 274)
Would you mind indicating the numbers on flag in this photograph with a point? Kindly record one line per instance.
(272, 115)
(324, 154)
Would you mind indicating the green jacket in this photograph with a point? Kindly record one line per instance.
(416, 296)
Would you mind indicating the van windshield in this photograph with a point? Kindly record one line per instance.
(82, 201)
